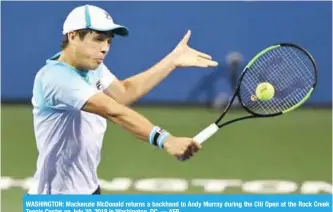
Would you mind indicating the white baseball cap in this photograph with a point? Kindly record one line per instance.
(92, 17)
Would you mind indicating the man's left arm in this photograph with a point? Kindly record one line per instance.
(131, 89)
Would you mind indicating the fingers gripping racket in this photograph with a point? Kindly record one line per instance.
(286, 72)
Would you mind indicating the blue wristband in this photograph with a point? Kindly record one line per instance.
(161, 139)
(152, 134)
(158, 136)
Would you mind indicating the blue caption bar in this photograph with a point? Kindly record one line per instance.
(175, 203)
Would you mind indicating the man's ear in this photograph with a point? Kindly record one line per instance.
(73, 37)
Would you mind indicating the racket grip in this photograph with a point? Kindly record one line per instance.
(204, 135)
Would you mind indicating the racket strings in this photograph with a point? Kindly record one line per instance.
(288, 80)
(291, 73)
(284, 83)
(304, 76)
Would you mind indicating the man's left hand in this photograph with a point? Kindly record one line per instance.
(185, 56)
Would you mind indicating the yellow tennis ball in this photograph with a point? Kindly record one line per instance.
(265, 91)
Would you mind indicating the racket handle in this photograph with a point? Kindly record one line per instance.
(204, 135)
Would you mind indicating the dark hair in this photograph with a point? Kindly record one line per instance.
(82, 33)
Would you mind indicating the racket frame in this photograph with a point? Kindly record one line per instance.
(237, 94)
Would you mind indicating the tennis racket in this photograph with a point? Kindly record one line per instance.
(289, 68)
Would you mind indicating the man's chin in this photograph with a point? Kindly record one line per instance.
(94, 66)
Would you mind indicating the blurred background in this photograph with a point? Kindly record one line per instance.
(288, 154)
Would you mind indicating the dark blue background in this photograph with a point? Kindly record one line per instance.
(31, 32)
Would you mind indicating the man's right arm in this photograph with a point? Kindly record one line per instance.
(123, 116)
(135, 123)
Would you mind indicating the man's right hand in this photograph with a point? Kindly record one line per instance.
(181, 147)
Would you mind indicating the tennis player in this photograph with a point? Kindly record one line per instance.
(74, 95)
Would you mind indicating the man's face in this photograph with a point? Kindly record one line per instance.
(91, 51)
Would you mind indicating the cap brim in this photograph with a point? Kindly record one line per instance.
(121, 30)
(117, 29)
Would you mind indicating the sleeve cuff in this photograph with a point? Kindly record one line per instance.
(79, 105)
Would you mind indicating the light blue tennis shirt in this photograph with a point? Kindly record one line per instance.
(69, 140)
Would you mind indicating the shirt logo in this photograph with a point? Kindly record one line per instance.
(99, 85)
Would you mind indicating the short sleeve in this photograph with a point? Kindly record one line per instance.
(106, 76)
(65, 89)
